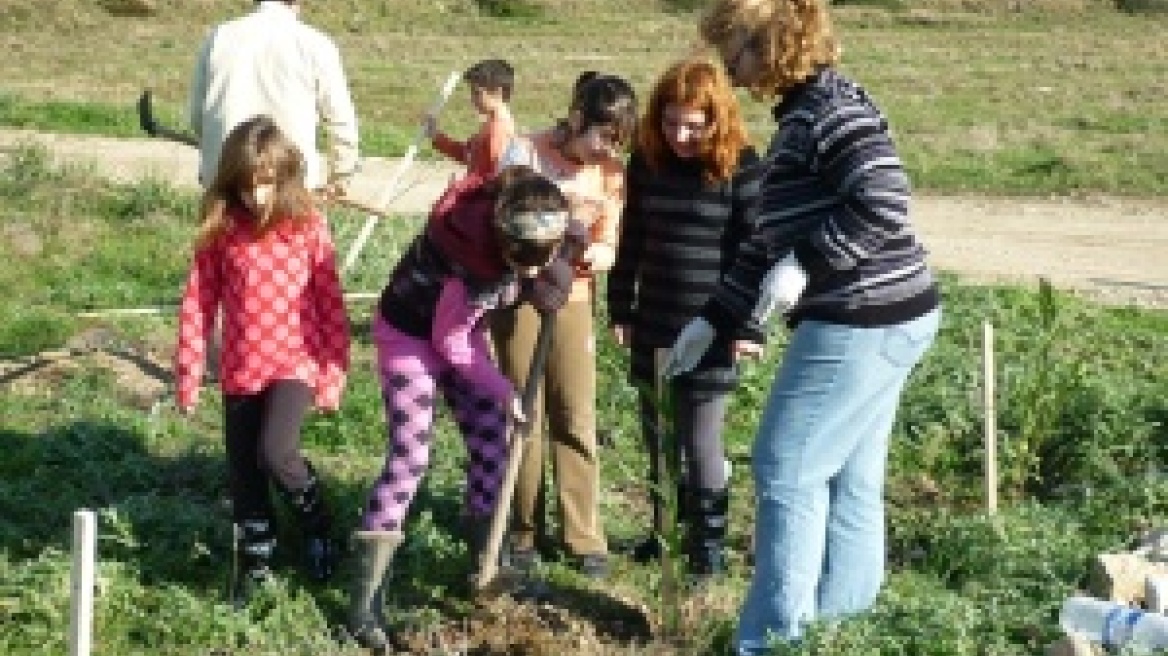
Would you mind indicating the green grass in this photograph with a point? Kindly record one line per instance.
(1000, 97)
(1081, 421)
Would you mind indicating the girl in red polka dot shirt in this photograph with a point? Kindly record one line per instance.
(264, 257)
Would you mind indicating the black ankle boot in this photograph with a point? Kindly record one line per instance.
(706, 538)
(320, 550)
(254, 545)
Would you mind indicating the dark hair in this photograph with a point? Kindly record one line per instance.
(601, 99)
(583, 78)
(492, 74)
(520, 189)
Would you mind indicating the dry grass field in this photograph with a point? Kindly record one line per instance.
(1000, 96)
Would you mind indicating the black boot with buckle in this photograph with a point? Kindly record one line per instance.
(706, 538)
(255, 543)
(320, 550)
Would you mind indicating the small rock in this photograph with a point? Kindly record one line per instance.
(1074, 645)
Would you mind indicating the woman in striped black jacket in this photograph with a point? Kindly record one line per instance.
(690, 184)
(833, 214)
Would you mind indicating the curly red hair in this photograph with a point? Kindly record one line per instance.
(699, 84)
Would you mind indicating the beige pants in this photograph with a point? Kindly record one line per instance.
(567, 402)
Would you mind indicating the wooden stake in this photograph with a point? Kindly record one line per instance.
(667, 482)
(394, 181)
(171, 309)
(84, 551)
(990, 423)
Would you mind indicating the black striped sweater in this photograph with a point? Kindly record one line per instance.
(835, 193)
(678, 237)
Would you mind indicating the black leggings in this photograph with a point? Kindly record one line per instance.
(698, 420)
(263, 440)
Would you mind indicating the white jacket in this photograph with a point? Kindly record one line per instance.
(268, 62)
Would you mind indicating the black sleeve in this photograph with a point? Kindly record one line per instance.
(743, 223)
(622, 278)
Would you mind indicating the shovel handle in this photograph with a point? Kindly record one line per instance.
(489, 560)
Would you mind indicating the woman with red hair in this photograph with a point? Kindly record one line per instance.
(690, 184)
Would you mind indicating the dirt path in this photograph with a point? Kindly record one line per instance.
(1111, 249)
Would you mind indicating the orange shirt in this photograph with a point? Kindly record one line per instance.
(283, 312)
(483, 150)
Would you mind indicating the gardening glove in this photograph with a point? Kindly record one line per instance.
(552, 286)
(693, 342)
(781, 288)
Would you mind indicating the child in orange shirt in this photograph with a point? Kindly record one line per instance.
(265, 256)
(490, 83)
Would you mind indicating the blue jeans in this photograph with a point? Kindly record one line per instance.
(819, 460)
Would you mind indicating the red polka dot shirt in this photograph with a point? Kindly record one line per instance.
(283, 312)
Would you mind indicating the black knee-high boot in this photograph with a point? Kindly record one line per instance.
(255, 544)
(706, 539)
(320, 550)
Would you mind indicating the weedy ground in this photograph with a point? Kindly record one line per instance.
(1083, 453)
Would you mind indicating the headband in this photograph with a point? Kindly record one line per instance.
(534, 226)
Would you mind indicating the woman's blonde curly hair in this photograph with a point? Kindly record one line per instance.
(791, 38)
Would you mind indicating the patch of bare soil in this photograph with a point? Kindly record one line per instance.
(575, 621)
(141, 375)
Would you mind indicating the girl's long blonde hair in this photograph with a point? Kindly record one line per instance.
(792, 38)
(256, 151)
(699, 84)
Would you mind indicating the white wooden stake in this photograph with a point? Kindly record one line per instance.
(990, 423)
(394, 181)
(171, 309)
(84, 551)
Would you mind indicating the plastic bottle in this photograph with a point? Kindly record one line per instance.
(1156, 593)
(1114, 625)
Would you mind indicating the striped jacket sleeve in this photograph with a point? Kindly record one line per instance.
(743, 224)
(857, 160)
(835, 191)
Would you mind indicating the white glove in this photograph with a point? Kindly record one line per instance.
(781, 288)
(691, 345)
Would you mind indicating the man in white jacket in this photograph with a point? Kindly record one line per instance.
(269, 62)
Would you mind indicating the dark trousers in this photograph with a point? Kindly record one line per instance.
(263, 443)
(698, 419)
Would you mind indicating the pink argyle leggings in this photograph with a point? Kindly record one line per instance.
(411, 375)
